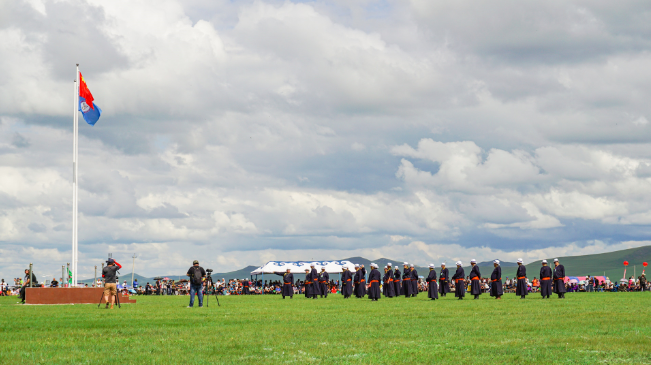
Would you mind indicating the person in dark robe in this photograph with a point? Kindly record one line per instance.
(559, 279)
(374, 283)
(346, 283)
(432, 288)
(545, 280)
(396, 282)
(391, 288)
(324, 279)
(245, 287)
(317, 285)
(288, 280)
(362, 281)
(521, 276)
(414, 280)
(358, 273)
(389, 283)
(496, 281)
(459, 282)
(384, 282)
(475, 279)
(406, 281)
(444, 280)
(314, 276)
(308, 290)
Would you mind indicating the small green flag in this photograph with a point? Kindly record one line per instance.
(69, 276)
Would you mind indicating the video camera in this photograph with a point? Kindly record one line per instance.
(209, 272)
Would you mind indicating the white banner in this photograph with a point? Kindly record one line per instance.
(299, 267)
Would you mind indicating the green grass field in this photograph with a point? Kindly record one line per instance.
(585, 328)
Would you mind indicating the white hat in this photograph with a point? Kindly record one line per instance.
(389, 264)
(555, 260)
(431, 266)
(442, 263)
(519, 261)
(496, 262)
(356, 265)
(373, 264)
(473, 261)
(412, 265)
(311, 265)
(544, 261)
(459, 263)
(406, 263)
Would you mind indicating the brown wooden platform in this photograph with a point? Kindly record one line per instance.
(68, 296)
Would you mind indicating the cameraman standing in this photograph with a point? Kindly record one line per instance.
(26, 284)
(110, 280)
(197, 275)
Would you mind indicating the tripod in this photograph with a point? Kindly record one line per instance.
(210, 284)
(117, 299)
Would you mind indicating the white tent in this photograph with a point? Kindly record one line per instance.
(298, 267)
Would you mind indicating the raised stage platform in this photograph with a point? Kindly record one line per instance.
(68, 296)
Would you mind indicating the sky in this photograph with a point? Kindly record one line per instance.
(238, 132)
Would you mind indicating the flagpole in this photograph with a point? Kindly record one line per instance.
(75, 182)
(77, 178)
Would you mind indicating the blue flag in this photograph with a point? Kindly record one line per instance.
(91, 116)
(89, 110)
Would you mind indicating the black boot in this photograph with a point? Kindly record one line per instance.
(476, 296)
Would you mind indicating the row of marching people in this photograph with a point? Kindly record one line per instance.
(552, 281)
(316, 283)
(396, 283)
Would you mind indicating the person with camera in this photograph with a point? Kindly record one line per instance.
(197, 275)
(109, 273)
(26, 282)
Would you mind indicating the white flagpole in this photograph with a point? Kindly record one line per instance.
(74, 178)
(75, 157)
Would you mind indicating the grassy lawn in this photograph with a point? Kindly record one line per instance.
(585, 328)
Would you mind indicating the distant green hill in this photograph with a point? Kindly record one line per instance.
(609, 262)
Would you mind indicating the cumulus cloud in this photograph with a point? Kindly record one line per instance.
(241, 132)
